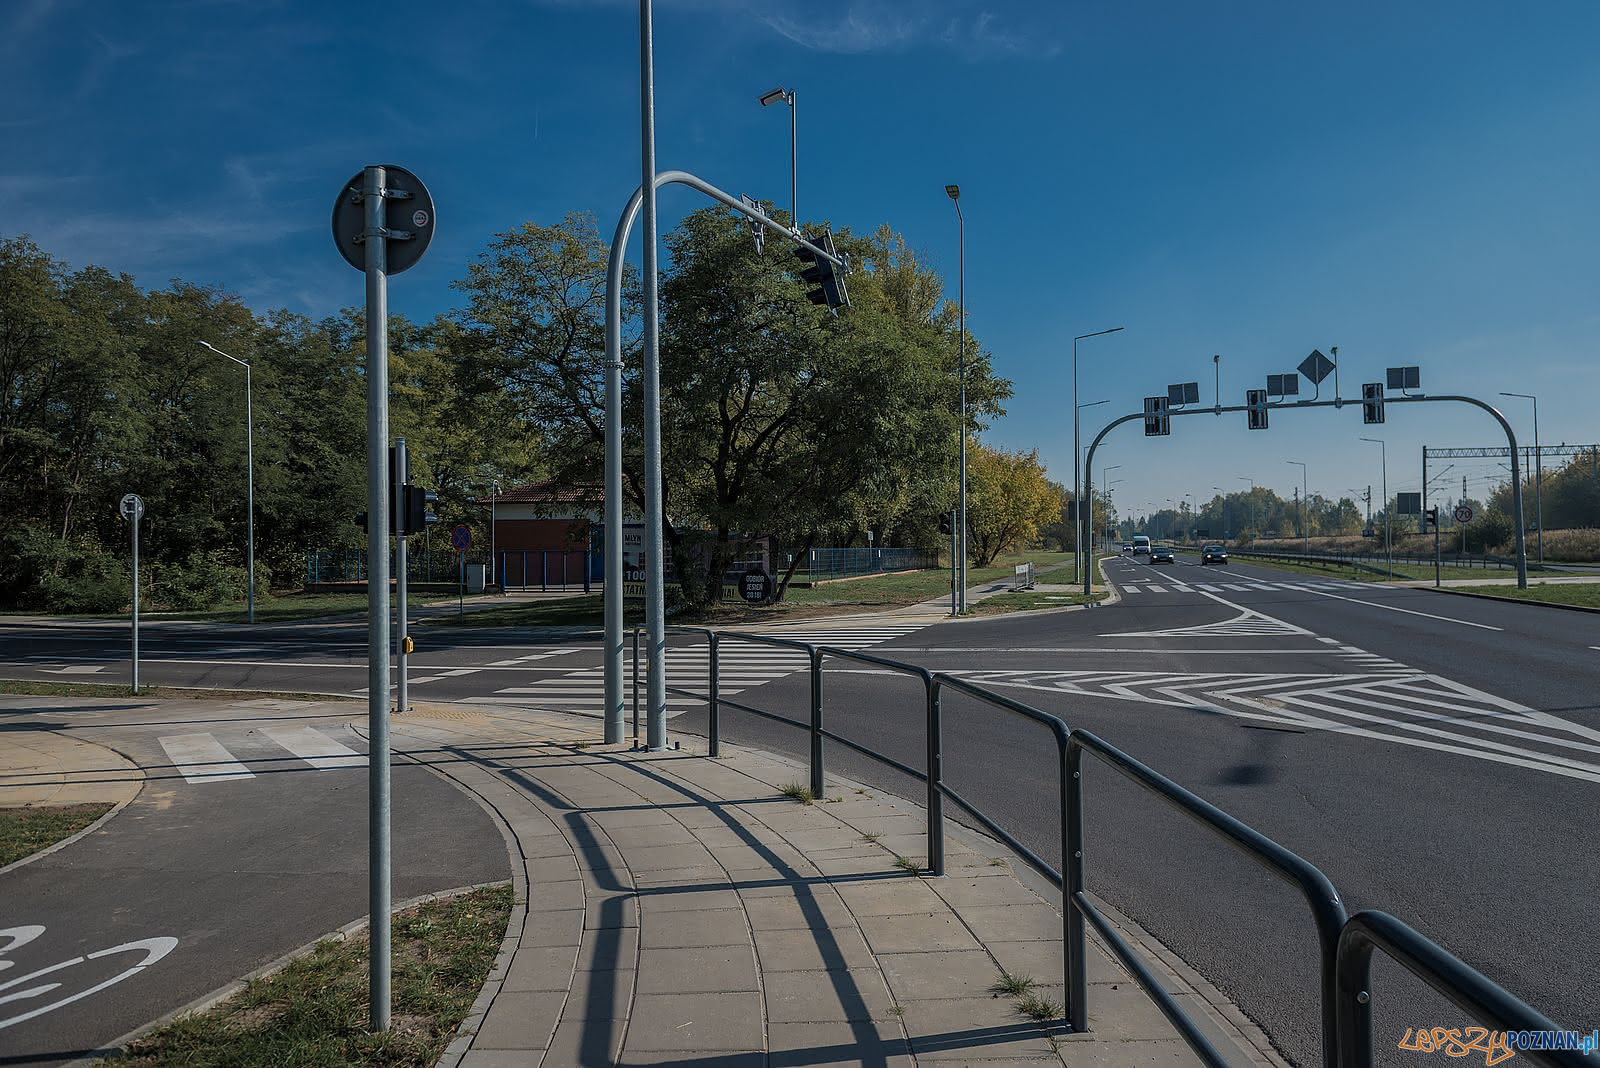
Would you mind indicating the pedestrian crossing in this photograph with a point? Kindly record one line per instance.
(202, 757)
(1138, 586)
(742, 664)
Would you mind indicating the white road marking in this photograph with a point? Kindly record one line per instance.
(1407, 611)
(201, 758)
(153, 948)
(1154, 589)
(315, 748)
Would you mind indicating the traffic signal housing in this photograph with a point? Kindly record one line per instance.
(947, 522)
(824, 282)
(1372, 402)
(1431, 519)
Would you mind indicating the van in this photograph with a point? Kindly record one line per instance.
(1141, 544)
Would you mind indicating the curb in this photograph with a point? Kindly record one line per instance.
(223, 993)
(1514, 600)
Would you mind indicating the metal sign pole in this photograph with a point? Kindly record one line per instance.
(378, 868)
(402, 626)
(461, 587)
(136, 601)
(655, 574)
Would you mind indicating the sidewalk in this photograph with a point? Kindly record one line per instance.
(674, 909)
(41, 767)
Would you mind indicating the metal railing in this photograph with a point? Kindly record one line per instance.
(824, 564)
(1378, 563)
(1345, 943)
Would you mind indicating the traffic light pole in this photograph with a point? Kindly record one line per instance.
(1336, 402)
(654, 575)
(402, 626)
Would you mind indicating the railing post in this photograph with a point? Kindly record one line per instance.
(1347, 1039)
(816, 723)
(1077, 969)
(636, 687)
(714, 710)
(935, 778)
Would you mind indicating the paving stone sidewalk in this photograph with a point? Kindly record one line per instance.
(43, 767)
(675, 910)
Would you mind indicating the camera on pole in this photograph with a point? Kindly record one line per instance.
(825, 285)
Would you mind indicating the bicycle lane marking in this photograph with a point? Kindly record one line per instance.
(154, 950)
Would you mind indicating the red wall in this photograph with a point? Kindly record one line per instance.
(567, 534)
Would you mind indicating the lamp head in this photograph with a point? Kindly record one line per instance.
(772, 96)
(953, 192)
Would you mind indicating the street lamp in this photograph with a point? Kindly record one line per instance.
(494, 561)
(1076, 454)
(954, 193)
(1388, 540)
(1253, 524)
(1105, 487)
(1538, 478)
(250, 482)
(1305, 529)
(770, 97)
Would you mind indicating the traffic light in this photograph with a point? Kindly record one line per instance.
(1431, 519)
(1157, 422)
(1255, 401)
(947, 522)
(825, 285)
(417, 515)
(1372, 402)
(361, 520)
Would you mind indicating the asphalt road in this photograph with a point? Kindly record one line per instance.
(1436, 756)
(224, 868)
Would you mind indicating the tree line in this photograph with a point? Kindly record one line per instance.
(779, 419)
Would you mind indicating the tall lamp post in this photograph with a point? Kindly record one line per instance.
(1105, 487)
(1077, 454)
(250, 481)
(1538, 478)
(1388, 540)
(1305, 528)
(494, 561)
(954, 193)
(1252, 482)
(770, 97)
(1085, 510)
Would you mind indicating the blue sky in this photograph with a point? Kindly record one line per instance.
(1415, 183)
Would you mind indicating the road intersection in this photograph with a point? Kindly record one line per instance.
(1436, 756)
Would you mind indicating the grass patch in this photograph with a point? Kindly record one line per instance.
(25, 831)
(314, 1012)
(798, 792)
(1584, 594)
(1030, 601)
(872, 836)
(906, 864)
(915, 586)
(1038, 1008)
(1402, 572)
(32, 688)
(1014, 985)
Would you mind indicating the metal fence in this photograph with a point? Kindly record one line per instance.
(350, 565)
(824, 564)
(1345, 943)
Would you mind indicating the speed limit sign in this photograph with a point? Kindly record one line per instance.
(1464, 514)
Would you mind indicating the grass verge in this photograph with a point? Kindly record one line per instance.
(32, 688)
(587, 610)
(25, 831)
(1583, 594)
(314, 1011)
(1401, 571)
(1029, 601)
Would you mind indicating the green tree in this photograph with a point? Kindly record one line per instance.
(1009, 500)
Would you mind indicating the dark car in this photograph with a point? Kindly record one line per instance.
(1213, 554)
(1161, 554)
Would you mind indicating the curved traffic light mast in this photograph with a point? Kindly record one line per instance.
(1158, 412)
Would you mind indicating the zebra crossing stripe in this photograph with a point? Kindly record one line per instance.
(315, 748)
(201, 758)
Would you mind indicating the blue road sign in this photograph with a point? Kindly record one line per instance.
(461, 538)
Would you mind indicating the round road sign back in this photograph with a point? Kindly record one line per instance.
(1464, 514)
(131, 506)
(756, 587)
(461, 538)
(411, 215)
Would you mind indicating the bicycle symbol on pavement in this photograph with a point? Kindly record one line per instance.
(12, 938)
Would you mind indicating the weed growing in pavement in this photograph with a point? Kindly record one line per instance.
(872, 836)
(798, 792)
(906, 864)
(1037, 1008)
(1014, 985)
